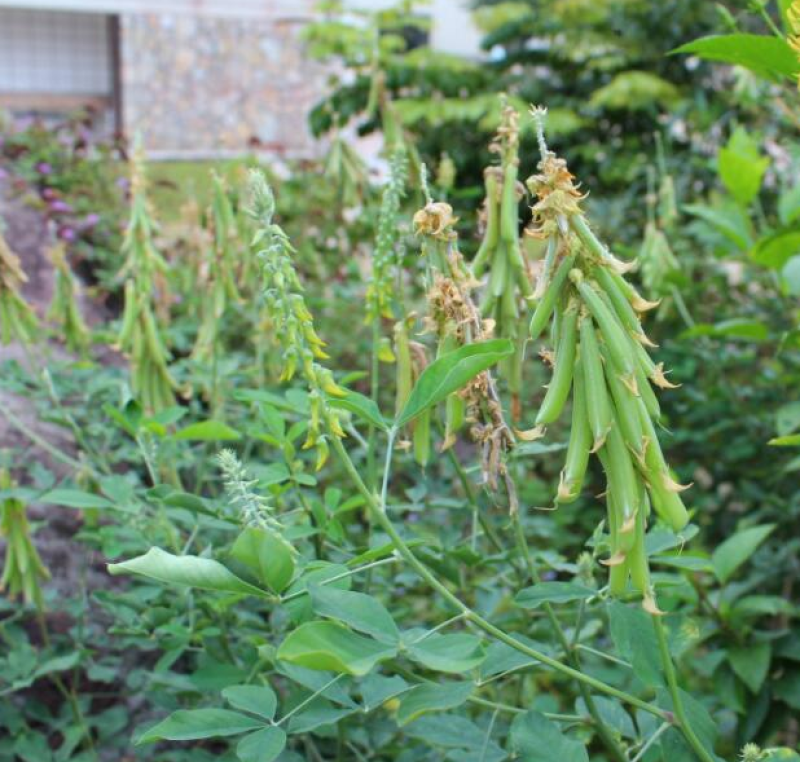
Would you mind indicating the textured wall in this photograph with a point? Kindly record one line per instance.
(198, 84)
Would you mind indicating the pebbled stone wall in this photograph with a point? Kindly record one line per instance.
(197, 85)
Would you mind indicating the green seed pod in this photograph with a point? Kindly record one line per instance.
(664, 491)
(623, 488)
(598, 405)
(492, 233)
(455, 406)
(561, 382)
(617, 562)
(509, 205)
(667, 204)
(455, 414)
(580, 443)
(646, 392)
(509, 229)
(552, 291)
(422, 438)
(619, 344)
(404, 369)
(637, 559)
(498, 279)
(622, 307)
(618, 574)
(627, 409)
(669, 505)
(547, 267)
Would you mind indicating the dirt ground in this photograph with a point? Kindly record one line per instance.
(27, 235)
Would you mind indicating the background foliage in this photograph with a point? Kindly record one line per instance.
(102, 662)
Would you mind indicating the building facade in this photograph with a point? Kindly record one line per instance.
(195, 78)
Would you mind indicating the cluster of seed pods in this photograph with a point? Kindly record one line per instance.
(500, 253)
(600, 355)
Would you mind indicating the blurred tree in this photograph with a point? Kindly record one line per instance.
(601, 67)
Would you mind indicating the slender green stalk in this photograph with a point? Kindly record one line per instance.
(606, 736)
(378, 513)
(375, 382)
(674, 691)
(663, 728)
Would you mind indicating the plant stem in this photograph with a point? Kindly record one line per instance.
(44, 444)
(473, 499)
(378, 513)
(650, 741)
(375, 378)
(674, 691)
(570, 652)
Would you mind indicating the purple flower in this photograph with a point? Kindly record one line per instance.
(48, 194)
(66, 234)
(91, 220)
(60, 207)
(43, 168)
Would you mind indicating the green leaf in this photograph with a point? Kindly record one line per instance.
(331, 646)
(359, 611)
(190, 571)
(613, 714)
(787, 419)
(376, 689)
(791, 275)
(751, 663)
(791, 440)
(552, 592)
(268, 556)
(729, 556)
(207, 431)
(760, 605)
(319, 573)
(767, 56)
(789, 204)
(75, 498)
(451, 372)
(730, 221)
(191, 724)
(264, 745)
(775, 251)
(431, 697)
(534, 738)
(787, 688)
(361, 406)
(735, 328)
(675, 748)
(635, 640)
(741, 167)
(452, 731)
(635, 91)
(256, 699)
(456, 653)
(318, 714)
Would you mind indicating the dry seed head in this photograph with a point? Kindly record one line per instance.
(436, 220)
(557, 194)
(506, 140)
(659, 378)
(253, 509)
(752, 753)
(650, 606)
(12, 276)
